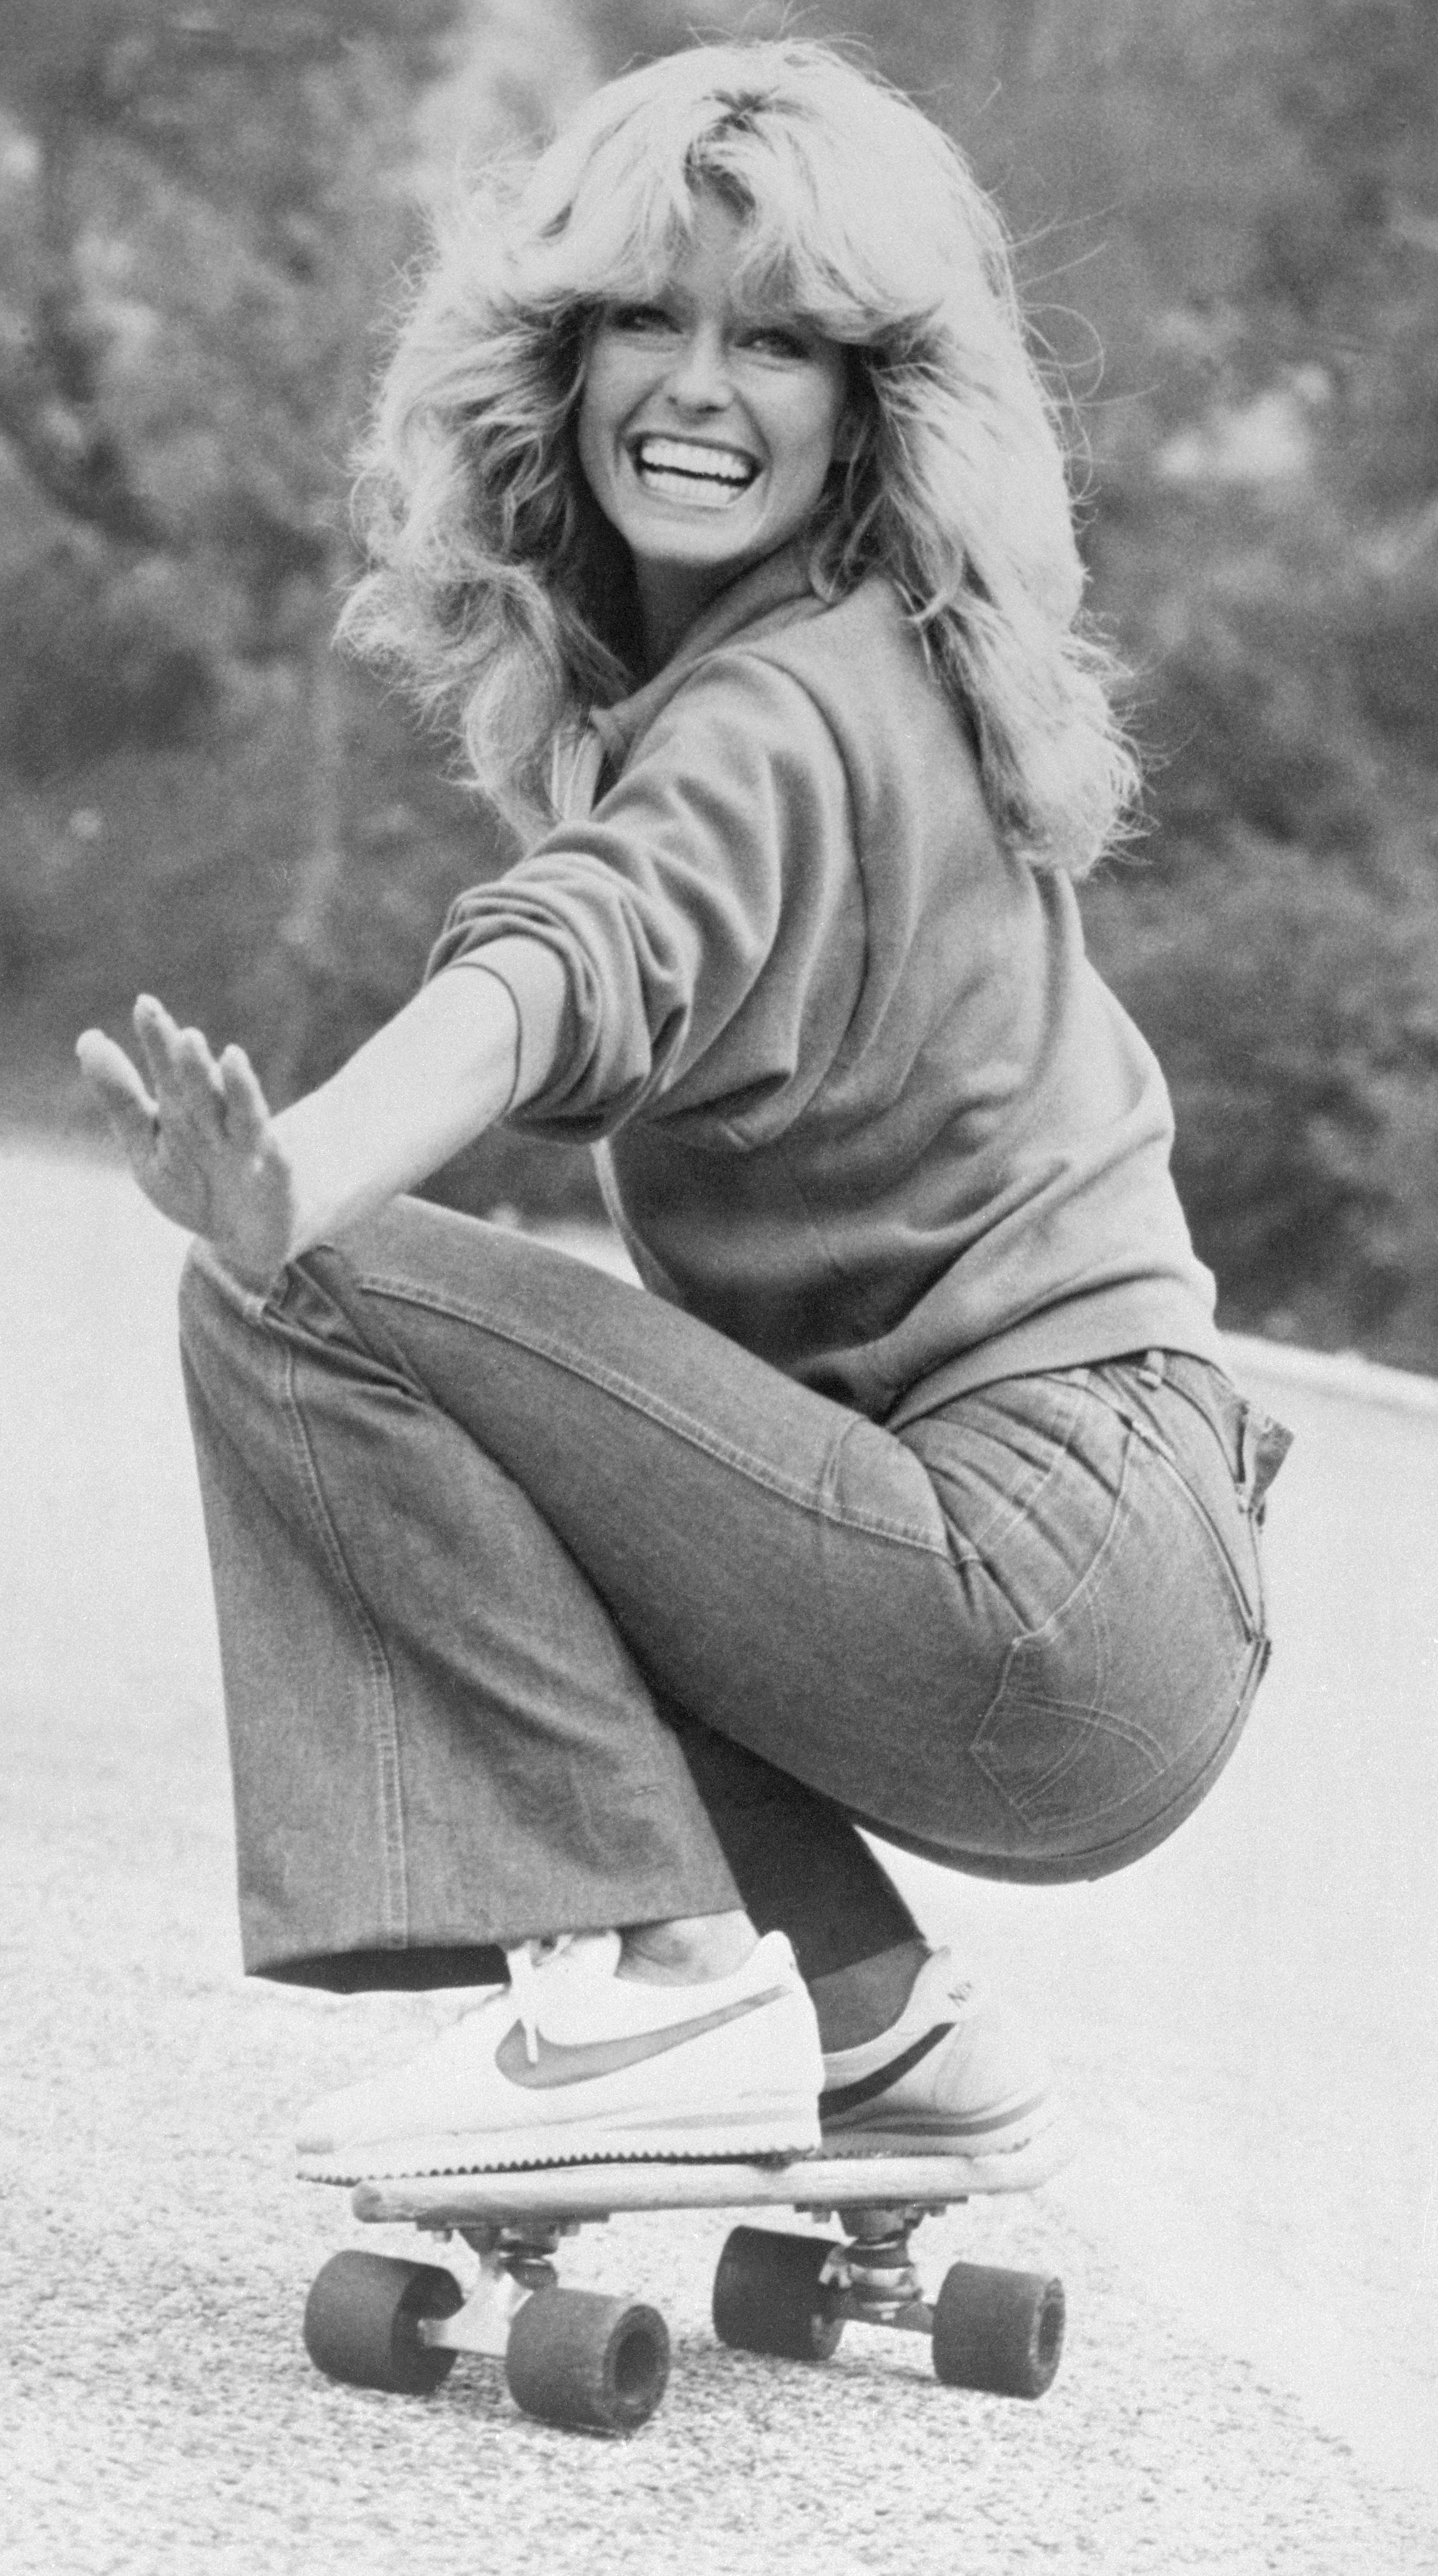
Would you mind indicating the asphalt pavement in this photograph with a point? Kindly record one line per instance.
(1245, 2025)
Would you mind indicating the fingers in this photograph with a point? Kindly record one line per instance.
(189, 1087)
(193, 1092)
(180, 1064)
(247, 1116)
(118, 1088)
(156, 1033)
(108, 1070)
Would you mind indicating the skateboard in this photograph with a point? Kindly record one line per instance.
(576, 2357)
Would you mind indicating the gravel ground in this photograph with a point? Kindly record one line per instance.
(1246, 2025)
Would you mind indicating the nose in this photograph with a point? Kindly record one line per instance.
(699, 377)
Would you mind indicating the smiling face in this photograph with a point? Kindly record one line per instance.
(705, 430)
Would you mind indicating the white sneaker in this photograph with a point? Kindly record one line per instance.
(948, 2078)
(571, 2063)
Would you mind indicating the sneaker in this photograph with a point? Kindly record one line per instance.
(571, 2064)
(948, 2078)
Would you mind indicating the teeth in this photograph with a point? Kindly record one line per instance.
(685, 456)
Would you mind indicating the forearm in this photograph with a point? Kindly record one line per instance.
(436, 1076)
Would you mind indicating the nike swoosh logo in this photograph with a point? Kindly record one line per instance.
(847, 2097)
(560, 2063)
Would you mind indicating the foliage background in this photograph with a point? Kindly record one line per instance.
(1228, 229)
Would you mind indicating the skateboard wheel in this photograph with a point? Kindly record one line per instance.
(769, 2296)
(1000, 2331)
(362, 2322)
(575, 2357)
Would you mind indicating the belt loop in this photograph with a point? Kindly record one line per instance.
(1265, 1446)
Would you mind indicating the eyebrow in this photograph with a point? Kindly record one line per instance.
(778, 317)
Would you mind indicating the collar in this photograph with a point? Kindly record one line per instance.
(774, 592)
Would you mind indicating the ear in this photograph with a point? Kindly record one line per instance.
(849, 435)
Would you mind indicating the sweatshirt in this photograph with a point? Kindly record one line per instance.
(860, 1099)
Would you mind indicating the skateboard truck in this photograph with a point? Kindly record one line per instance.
(873, 2276)
(868, 2281)
(513, 2264)
(575, 2357)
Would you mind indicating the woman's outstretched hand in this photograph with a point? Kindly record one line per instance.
(203, 1147)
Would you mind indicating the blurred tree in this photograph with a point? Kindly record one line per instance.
(202, 213)
(208, 225)
(1266, 543)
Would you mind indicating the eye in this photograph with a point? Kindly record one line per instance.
(776, 340)
(634, 320)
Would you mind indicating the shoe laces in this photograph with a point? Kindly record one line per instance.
(525, 1963)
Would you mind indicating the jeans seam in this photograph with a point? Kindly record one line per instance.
(1101, 1721)
(395, 1891)
(1253, 1610)
(668, 1416)
(1253, 1616)
(1021, 1505)
(1157, 1829)
(1091, 1714)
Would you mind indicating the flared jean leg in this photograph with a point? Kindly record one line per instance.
(439, 1738)
(458, 1716)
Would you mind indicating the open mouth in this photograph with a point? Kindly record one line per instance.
(688, 471)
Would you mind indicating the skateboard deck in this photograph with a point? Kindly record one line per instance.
(575, 2357)
(597, 2190)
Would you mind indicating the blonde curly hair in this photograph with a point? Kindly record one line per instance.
(496, 588)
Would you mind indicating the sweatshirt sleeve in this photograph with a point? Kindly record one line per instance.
(687, 910)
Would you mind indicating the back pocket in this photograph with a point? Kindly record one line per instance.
(1127, 1693)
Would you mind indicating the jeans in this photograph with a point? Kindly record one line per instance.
(544, 1607)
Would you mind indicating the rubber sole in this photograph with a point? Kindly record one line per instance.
(1029, 2160)
(790, 2131)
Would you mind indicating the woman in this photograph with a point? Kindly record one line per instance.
(713, 488)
